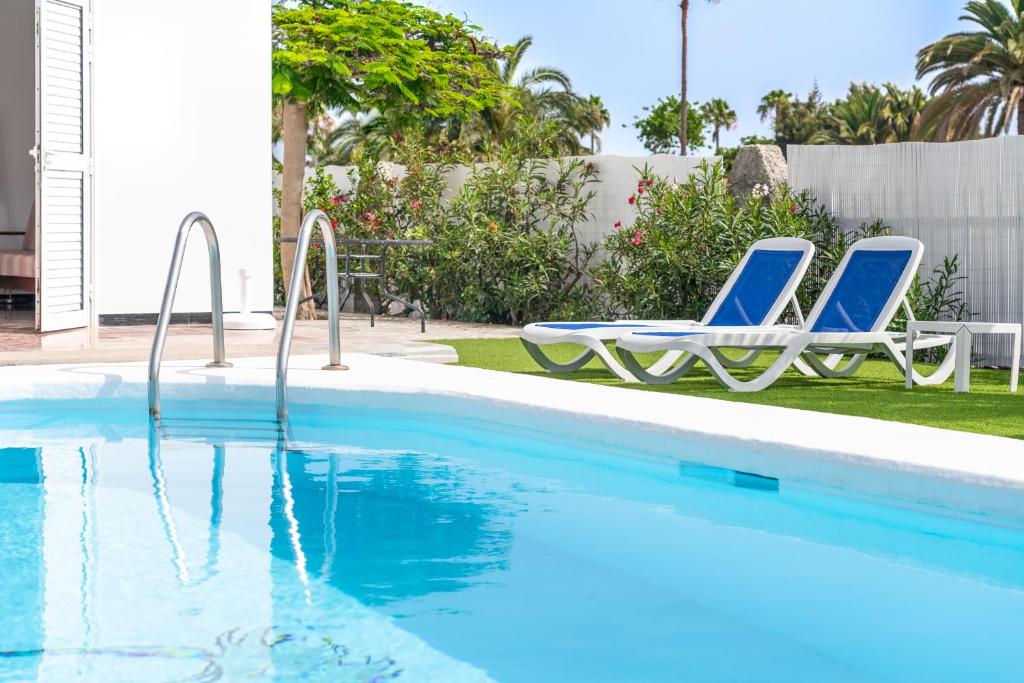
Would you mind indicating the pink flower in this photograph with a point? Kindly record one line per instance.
(598, 281)
(638, 238)
(793, 208)
(415, 204)
(368, 215)
(618, 224)
(339, 199)
(334, 224)
(649, 182)
(632, 199)
(640, 190)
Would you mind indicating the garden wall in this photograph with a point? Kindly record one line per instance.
(617, 176)
(963, 198)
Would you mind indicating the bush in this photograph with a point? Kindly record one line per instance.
(686, 239)
(505, 247)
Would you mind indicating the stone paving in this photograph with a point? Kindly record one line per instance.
(396, 337)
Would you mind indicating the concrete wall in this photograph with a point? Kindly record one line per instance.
(963, 198)
(17, 116)
(181, 114)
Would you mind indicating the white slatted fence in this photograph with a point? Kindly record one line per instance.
(963, 198)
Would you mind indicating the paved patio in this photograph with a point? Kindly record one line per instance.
(395, 337)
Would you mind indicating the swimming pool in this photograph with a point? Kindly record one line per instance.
(412, 544)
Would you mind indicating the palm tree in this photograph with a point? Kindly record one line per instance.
(872, 116)
(773, 105)
(903, 110)
(978, 75)
(539, 91)
(684, 6)
(718, 114)
(543, 94)
(857, 120)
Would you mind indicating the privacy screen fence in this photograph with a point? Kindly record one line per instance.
(963, 198)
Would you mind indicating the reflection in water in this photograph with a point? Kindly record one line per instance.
(163, 503)
(384, 527)
(144, 571)
(180, 559)
(21, 585)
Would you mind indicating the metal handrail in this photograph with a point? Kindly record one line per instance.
(216, 304)
(320, 219)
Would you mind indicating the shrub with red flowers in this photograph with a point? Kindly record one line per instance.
(508, 250)
(686, 239)
(379, 205)
(506, 247)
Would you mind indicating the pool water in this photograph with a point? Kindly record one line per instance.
(381, 546)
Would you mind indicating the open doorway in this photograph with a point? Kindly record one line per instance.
(45, 169)
(18, 268)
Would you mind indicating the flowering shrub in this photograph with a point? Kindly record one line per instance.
(508, 250)
(505, 247)
(683, 243)
(686, 239)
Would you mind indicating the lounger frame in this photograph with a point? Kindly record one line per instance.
(843, 352)
(533, 337)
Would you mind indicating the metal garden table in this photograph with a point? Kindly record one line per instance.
(367, 259)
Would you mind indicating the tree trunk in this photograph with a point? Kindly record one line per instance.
(294, 131)
(684, 5)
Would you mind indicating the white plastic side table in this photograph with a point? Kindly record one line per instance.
(964, 332)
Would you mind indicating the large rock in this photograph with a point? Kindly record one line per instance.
(757, 167)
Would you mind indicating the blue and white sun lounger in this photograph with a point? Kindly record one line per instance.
(849, 319)
(756, 293)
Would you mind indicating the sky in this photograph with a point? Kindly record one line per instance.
(627, 51)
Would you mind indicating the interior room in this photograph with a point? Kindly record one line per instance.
(17, 174)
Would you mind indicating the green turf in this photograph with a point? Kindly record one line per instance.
(876, 391)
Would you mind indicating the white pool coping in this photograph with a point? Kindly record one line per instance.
(872, 456)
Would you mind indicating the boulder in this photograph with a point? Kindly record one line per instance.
(757, 168)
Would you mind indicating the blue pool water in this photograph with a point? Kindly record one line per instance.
(403, 546)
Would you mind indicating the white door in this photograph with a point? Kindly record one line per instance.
(63, 173)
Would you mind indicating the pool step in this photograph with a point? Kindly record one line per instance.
(219, 430)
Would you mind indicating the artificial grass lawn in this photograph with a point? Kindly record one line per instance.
(876, 390)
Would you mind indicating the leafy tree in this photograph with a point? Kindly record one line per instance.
(659, 129)
(795, 120)
(359, 55)
(718, 114)
(978, 75)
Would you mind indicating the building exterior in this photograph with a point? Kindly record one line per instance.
(117, 118)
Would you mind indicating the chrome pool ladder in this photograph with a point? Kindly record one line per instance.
(319, 219)
(216, 304)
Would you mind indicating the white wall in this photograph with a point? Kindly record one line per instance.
(963, 198)
(17, 116)
(181, 114)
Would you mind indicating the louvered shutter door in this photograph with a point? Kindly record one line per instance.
(63, 165)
